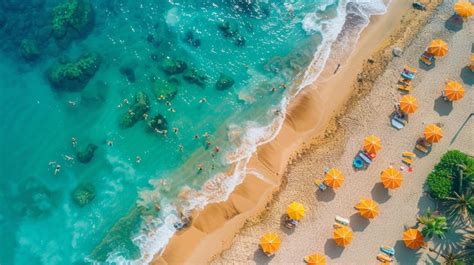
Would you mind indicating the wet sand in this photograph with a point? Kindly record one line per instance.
(317, 124)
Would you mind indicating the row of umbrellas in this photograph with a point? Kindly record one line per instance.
(453, 91)
(391, 178)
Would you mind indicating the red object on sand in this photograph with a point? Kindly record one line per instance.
(410, 169)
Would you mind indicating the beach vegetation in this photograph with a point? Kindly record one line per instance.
(437, 226)
(440, 184)
(460, 207)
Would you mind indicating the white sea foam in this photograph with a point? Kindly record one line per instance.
(218, 188)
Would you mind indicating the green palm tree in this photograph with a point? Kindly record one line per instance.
(426, 217)
(436, 227)
(460, 207)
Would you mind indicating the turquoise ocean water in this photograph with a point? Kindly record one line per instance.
(227, 62)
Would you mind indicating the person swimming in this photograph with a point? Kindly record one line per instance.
(138, 160)
(175, 130)
(180, 148)
(203, 100)
(68, 158)
(110, 143)
(73, 141)
(57, 169)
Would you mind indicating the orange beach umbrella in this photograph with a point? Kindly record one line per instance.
(342, 236)
(464, 9)
(413, 238)
(408, 104)
(433, 133)
(438, 48)
(334, 178)
(295, 211)
(270, 243)
(391, 178)
(453, 90)
(315, 259)
(368, 208)
(372, 144)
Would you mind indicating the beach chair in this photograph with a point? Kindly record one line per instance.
(320, 184)
(387, 250)
(427, 58)
(409, 154)
(341, 220)
(422, 146)
(290, 223)
(384, 258)
(365, 157)
(407, 161)
(471, 65)
(408, 73)
(404, 85)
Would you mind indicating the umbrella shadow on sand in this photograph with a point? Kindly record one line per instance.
(379, 193)
(454, 23)
(326, 195)
(467, 76)
(443, 107)
(261, 258)
(331, 249)
(404, 255)
(359, 223)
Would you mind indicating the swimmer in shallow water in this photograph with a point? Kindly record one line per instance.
(138, 160)
(196, 137)
(200, 167)
(68, 158)
(203, 100)
(110, 143)
(180, 148)
(72, 102)
(175, 130)
(206, 135)
(168, 103)
(73, 141)
(57, 169)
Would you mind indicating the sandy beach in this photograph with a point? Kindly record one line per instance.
(324, 127)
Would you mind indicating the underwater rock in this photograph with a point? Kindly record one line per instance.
(29, 49)
(171, 66)
(74, 76)
(72, 19)
(165, 90)
(94, 94)
(253, 8)
(189, 38)
(228, 30)
(194, 76)
(224, 82)
(231, 31)
(158, 123)
(85, 156)
(129, 73)
(136, 112)
(34, 199)
(83, 194)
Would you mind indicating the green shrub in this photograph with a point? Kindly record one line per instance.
(440, 183)
(455, 162)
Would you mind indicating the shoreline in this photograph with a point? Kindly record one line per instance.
(214, 228)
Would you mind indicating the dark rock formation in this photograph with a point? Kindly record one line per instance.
(194, 76)
(85, 156)
(191, 40)
(74, 76)
(158, 123)
(224, 82)
(165, 90)
(171, 66)
(231, 31)
(129, 73)
(29, 49)
(83, 194)
(72, 19)
(136, 112)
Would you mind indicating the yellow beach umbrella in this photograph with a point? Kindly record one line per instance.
(295, 211)
(413, 239)
(368, 208)
(342, 236)
(334, 178)
(433, 133)
(391, 178)
(453, 90)
(270, 243)
(464, 9)
(372, 144)
(408, 104)
(315, 259)
(438, 48)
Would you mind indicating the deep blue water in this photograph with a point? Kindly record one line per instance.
(140, 45)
